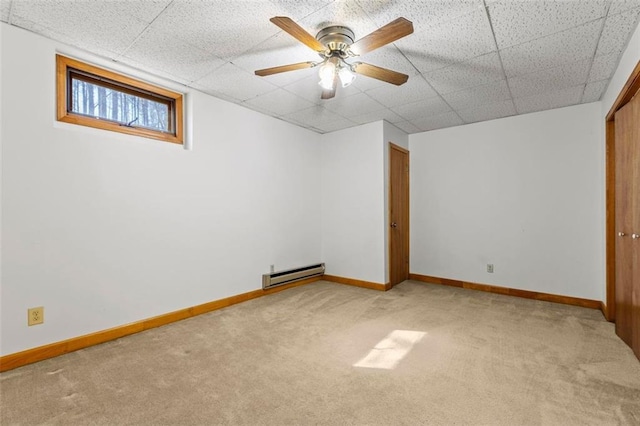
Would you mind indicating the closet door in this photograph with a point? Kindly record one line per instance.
(627, 151)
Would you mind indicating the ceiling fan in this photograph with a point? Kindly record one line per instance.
(335, 44)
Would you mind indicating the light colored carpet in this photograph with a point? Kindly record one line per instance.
(288, 358)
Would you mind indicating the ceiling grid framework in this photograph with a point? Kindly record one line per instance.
(467, 60)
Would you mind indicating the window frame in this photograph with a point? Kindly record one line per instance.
(65, 67)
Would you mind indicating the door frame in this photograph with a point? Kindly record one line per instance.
(631, 87)
(388, 224)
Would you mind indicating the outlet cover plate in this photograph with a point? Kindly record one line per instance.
(35, 316)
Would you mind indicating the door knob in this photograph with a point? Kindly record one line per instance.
(394, 225)
(621, 234)
(635, 236)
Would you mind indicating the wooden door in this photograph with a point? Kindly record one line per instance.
(627, 223)
(398, 214)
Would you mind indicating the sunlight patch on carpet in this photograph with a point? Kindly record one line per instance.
(390, 350)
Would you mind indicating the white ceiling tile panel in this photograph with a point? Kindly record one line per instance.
(316, 116)
(478, 96)
(279, 102)
(616, 31)
(516, 22)
(429, 12)
(279, 50)
(172, 55)
(415, 89)
(567, 46)
(351, 106)
(422, 109)
(489, 111)
(407, 127)
(603, 66)
(550, 80)
(387, 57)
(439, 121)
(340, 12)
(234, 82)
(309, 89)
(223, 28)
(551, 100)
(332, 126)
(5, 8)
(463, 38)
(111, 26)
(618, 6)
(475, 72)
(385, 114)
(594, 91)
(296, 9)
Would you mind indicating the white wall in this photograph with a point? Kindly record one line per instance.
(628, 62)
(524, 193)
(104, 229)
(353, 231)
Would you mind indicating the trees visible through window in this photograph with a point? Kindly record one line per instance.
(99, 98)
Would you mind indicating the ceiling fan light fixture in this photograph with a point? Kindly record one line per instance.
(327, 73)
(346, 76)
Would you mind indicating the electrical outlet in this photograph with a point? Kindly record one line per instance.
(35, 316)
(272, 268)
(490, 268)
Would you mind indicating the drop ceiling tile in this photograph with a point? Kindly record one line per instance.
(223, 28)
(309, 89)
(281, 49)
(388, 57)
(340, 12)
(616, 32)
(313, 116)
(594, 91)
(279, 102)
(234, 82)
(440, 121)
(296, 9)
(618, 6)
(475, 72)
(422, 109)
(159, 50)
(604, 66)
(332, 126)
(111, 26)
(516, 22)
(550, 80)
(463, 38)
(351, 106)
(428, 12)
(563, 47)
(407, 127)
(478, 96)
(550, 100)
(490, 111)
(384, 114)
(415, 89)
(5, 8)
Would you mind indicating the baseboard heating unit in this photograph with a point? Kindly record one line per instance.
(291, 275)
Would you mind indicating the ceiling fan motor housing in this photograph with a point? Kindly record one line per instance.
(337, 39)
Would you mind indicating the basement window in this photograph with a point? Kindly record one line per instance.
(94, 97)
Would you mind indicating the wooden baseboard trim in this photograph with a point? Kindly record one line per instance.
(29, 356)
(547, 297)
(358, 283)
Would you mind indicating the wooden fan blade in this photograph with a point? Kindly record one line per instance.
(382, 74)
(384, 35)
(295, 30)
(284, 68)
